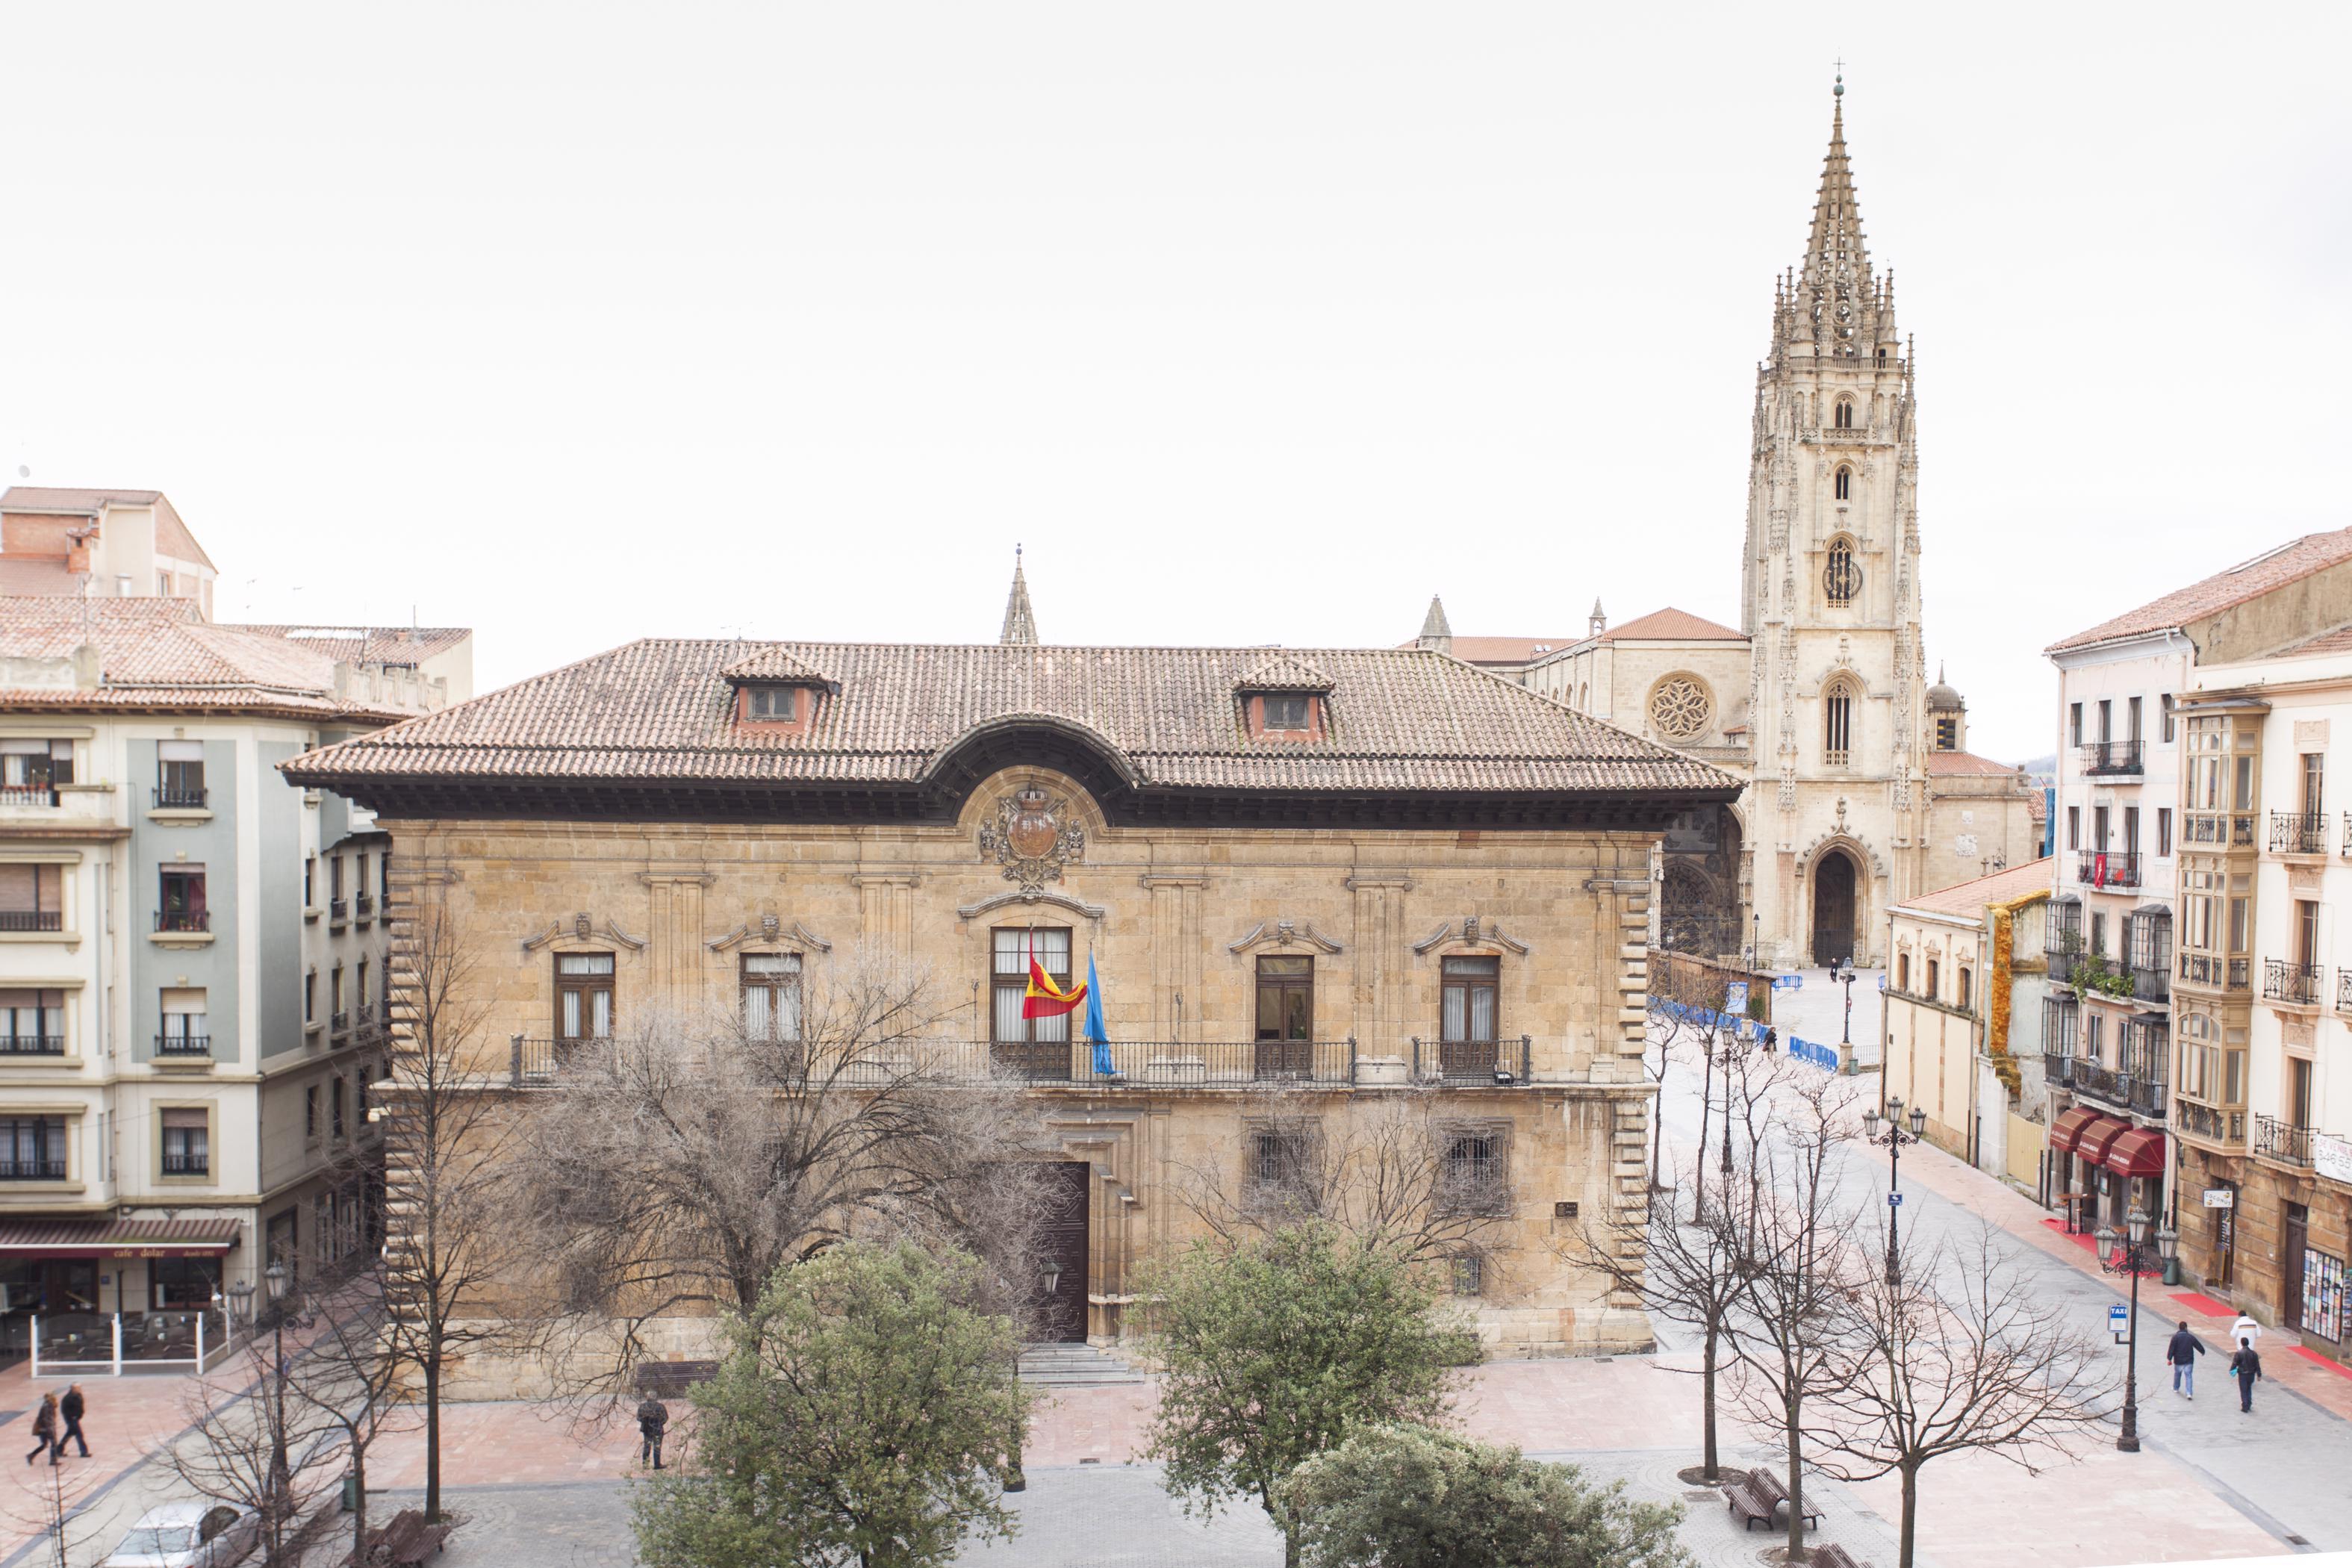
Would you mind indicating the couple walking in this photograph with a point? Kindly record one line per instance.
(49, 1436)
(2245, 1365)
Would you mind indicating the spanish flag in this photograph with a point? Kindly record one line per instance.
(1044, 999)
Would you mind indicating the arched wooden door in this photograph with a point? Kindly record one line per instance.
(1834, 907)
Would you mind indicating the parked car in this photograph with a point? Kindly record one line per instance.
(187, 1535)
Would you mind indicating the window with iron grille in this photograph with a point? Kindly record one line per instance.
(1288, 711)
(1473, 1176)
(1469, 1275)
(1281, 1161)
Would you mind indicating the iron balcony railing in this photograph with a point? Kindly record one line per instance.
(2108, 868)
(32, 1045)
(1135, 1064)
(2282, 1141)
(2149, 1096)
(2226, 828)
(2152, 984)
(2344, 990)
(2053, 1066)
(183, 920)
(2214, 969)
(183, 1045)
(363, 906)
(28, 794)
(187, 1164)
(2214, 1124)
(340, 1023)
(338, 909)
(33, 1170)
(2293, 983)
(2298, 833)
(180, 797)
(2348, 834)
(2111, 757)
(2095, 1078)
(32, 919)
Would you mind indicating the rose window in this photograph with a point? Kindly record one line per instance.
(1679, 708)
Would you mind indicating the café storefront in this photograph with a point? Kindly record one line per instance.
(153, 1273)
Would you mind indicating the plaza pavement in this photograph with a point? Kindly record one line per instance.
(2210, 1483)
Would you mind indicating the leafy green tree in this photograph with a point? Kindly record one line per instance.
(1407, 1496)
(1277, 1348)
(862, 1416)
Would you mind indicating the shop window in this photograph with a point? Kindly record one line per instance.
(184, 1284)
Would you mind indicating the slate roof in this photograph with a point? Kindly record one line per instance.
(158, 653)
(2247, 580)
(1400, 720)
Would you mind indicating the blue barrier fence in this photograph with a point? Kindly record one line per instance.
(1824, 1057)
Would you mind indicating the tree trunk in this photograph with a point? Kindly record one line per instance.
(1658, 1136)
(1796, 1492)
(1706, 1107)
(359, 1500)
(432, 1439)
(1290, 1546)
(1910, 1514)
(1706, 1403)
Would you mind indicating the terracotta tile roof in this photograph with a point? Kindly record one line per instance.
(363, 645)
(2247, 580)
(1966, 898)
(1283, 672)
(2338, 641)
(1671, 624)
(1506, 650)
(158, 653)
(43, 575)
(170, 533)
(775, 663)
(1956, 765)
(1402, 720)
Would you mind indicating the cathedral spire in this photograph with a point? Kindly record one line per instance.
(1436, 634)
(1020, 620)
(1841, 306)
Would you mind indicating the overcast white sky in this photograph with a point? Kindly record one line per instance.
(1255, 323)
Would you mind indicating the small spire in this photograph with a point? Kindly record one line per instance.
(1436, 634)
(1020, 620)
(1600, 621)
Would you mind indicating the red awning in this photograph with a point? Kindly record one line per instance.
(2138, 1152)
(116, 1237)
(2092, 1143)
(2068, 1129)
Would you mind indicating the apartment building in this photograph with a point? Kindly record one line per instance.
(2188, 938)
(191, 952)
(95, 543)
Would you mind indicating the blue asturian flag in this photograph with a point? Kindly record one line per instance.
(1094, 1030)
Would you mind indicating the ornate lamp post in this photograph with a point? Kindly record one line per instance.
(2132, 1260)
(1846, 1039)
(1895, 1140)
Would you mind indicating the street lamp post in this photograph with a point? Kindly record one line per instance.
(2132, 1259)
(1895, 1140)
(1846, 1039)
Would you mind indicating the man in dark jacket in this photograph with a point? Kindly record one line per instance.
(70, 1408)
(653, 1419)
(2248, 1366)
(2183, 1352)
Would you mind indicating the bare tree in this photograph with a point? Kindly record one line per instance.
(254, 1443)
(1797, 1268)
(1685, 1019)
(353, 1378)
(52, 1511)
(680, 1165)
(455, 1246)
(1959, 1353)
(1403, 1169)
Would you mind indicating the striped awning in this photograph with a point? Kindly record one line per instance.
(116, 1237)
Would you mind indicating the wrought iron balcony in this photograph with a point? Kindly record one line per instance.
(2344, 990)
(183, 1045)
(180, 797)
(2152, 984)
(32, 1045)
(2149, 1096)
(363, 906)
(2214, 1124)
(2293, 982)
(2298, 833)
(183, 920)
(2108, 868)
(2111, 757)
(2215, 969)
(338, 909)
(2093, 1078)
(2054, 1066)
(2282, 1141)
(187, 1164)
(28, 794)
(32, 1170)
(340, 1023)
(32, 919)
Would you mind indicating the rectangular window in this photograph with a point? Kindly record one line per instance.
(359, 993)
(1470, 1275)
(2107, 720)
(2164, 707)
(2131, 830)
(1286, 1016)
(2099, 825)
(1948, 734)
(2240, 924)
(1966, 978)
(1281, 1163)
(187, 1143)
(2131, 719)
(32, 1148)
(2073, 828)
(335, 876)
(1935, 980)
(2306, 931)
(583, 996)
(182, 905)
(310, 997)
(2163, 831)
(186, 1032)
(1472, 1177)
(2098, 1037)
(770, 983)
(2314, 778)
(33, 1023)
(311, 1112)
(30, 771)
(2074, 724)
(32, 898)
(335, 1107)
(777, 704)
(2099, 932)
(1035, 1047)
(1837, 727)
(336, 1002)
(1469, 1016)
(2245, 790)
(309, 882)
(383, 880)
(180, 773)
(184, 1284)
(1286, 712)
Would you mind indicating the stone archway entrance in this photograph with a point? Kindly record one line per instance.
(1834, 907)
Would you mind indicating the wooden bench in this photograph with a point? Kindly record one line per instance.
(1758, 1497)
(407, 1541)
(1830, 1555)
(669, 1379)
(1767, 1485)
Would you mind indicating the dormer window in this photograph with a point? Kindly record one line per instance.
(1289, 710)
(775, 704)
(1284, 698)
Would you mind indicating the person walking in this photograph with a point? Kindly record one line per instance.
(2183, 1352)
(70, 1408)
(2245, 1330)
(2249, 1367)
(1772, 1037)
(653, 1419)
(45, 1427)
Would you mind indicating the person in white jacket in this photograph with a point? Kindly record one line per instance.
(2246, 1329)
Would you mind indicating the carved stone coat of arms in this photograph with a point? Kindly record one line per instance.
(1030, 838)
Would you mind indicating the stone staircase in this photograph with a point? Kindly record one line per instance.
(1075, 1366)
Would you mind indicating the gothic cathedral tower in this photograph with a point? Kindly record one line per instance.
(1837, 804)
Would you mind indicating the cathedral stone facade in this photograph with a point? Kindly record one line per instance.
(1860, 789)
